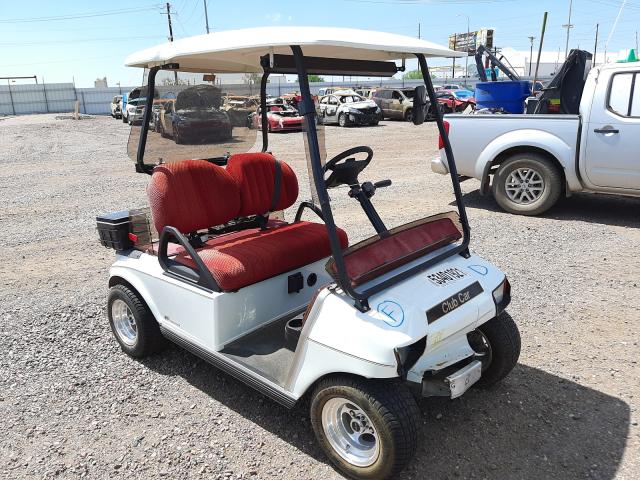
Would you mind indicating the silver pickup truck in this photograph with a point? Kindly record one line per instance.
(529, 161)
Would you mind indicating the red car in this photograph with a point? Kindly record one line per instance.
(455, 100)
(280, 118)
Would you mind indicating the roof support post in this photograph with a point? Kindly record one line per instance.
(144, 128)
(263, 111)
(308, 112)
(453, 172)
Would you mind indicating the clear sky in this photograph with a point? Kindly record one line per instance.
(62, 40)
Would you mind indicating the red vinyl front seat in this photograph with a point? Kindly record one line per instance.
(193, 195)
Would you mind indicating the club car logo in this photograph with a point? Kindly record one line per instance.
(392, 312)
(444, 277)
(479, 269)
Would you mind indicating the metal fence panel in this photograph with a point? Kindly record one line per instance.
(61, 97)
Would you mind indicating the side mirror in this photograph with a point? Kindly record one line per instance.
(419, 105)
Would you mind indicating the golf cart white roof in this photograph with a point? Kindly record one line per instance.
(239, 51)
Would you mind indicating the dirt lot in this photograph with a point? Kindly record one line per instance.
(73, 405)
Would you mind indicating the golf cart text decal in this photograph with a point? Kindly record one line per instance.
(393, 312)
(447, 276)
(453, 302)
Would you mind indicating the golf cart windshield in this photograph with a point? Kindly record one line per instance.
(189, 120)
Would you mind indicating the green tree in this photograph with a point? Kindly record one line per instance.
(415, 75)
(316, 78)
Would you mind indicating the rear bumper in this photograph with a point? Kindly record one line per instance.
(439, 164)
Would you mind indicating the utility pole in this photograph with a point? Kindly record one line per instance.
(206, 15)
(595, 46)
(568, 26)
(531, 39)
(466, 50)
(453, 69)
(421, 37)
(613, 29)
(636, 43)
(168, 14)
(544, 28)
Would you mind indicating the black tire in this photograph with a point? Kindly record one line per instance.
(124, 120)
(176, 135)
(544, 168)
(391, 409)
(342, 120)
(375, 123)
(503, 337)
(408, 115)
(148, 339)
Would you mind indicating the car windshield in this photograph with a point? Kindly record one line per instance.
(350, 98)
(408, 92)
(463, 94)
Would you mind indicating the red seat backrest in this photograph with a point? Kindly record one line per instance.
(192, 195)
(256, 175)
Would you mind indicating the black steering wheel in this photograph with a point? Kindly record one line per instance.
(344, 170)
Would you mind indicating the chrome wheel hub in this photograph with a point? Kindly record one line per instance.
(524, 186)
(350, 432)
(124, 322)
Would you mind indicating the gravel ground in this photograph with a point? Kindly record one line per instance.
(72, 405)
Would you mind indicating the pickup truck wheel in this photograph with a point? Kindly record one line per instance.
(369, 429)
(527, 184)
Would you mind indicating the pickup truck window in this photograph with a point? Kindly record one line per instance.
(624, 94)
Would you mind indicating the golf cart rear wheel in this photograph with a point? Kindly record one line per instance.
(132, 323)
(527, 184)
(497, 341)
(368, 429)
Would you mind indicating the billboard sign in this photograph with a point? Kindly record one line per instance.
(463, 42)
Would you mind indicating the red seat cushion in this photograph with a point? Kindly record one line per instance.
(192, 195)
(255, 173)
(375, 256)
(249, 256)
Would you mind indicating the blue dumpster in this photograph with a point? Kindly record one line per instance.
(509, 96)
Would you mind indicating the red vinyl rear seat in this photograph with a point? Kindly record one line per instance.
(193, 195)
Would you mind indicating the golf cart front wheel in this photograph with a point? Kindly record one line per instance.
(132, 323)
(368, 429)
(497, 344)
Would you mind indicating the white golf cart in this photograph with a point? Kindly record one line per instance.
(292, 309)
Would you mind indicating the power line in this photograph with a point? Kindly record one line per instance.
(79, 40)
(104, 13)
